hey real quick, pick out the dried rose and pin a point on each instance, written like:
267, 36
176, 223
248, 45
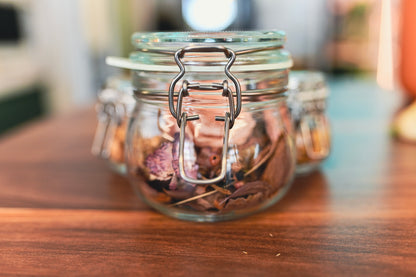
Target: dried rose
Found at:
160, 162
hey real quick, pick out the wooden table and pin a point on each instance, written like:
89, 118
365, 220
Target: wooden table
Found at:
62, 212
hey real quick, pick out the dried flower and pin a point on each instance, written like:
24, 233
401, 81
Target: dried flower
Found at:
160, 162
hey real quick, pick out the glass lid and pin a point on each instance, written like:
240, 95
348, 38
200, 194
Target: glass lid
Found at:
237, 41
255, 51
308, 85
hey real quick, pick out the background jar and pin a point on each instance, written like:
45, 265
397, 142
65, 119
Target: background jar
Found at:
114, 108
204, 169
308, 93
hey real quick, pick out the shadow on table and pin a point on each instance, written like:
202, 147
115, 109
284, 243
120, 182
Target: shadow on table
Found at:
122, 194
308, 192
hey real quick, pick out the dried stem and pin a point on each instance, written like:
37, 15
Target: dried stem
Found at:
193, 198
268, 156
225, 191
164, 134
222, 190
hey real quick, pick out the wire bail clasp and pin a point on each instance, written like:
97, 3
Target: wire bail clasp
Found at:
182, 117
109, 117
315, 138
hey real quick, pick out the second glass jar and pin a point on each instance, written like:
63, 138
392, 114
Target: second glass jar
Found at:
308, 93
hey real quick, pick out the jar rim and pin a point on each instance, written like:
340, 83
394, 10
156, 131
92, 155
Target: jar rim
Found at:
307, 85
237, 40
155, 51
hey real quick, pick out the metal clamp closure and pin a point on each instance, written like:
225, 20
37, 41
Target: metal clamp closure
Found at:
223, 172
182, 118
109, 117
186, 85
316, 146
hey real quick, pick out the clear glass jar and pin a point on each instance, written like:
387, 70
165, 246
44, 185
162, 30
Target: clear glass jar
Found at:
207, 145
114, 108
307, 102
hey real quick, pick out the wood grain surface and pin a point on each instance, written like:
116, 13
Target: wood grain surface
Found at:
62, 212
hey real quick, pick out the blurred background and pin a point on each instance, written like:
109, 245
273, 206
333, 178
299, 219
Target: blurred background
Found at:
52, 52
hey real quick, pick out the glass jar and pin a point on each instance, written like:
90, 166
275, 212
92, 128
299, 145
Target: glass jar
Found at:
307, 102
205, 144
114, 108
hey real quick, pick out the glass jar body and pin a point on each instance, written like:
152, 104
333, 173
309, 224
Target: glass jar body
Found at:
210, 138
116, 157
307, 102
313, 138
260, 159
114, 108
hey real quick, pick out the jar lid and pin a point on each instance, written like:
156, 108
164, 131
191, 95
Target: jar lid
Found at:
307, 85
255, 51
108, 95
238, 41
118, 91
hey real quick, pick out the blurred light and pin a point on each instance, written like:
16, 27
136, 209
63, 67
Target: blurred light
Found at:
385, 51
209, 15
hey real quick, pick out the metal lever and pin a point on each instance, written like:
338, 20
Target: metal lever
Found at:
103, 121
182, 118
109, 116
230, 54
221, 176
226, 92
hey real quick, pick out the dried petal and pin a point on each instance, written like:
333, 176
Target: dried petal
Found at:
179, 194
239, 184
207, 165
242, 129
250, 188
200, 205
173, 183
160, 162
243, 203
250, 194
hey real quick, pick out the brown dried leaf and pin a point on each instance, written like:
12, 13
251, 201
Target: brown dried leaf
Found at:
222, 190
243, 203
250, 188
279, 167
